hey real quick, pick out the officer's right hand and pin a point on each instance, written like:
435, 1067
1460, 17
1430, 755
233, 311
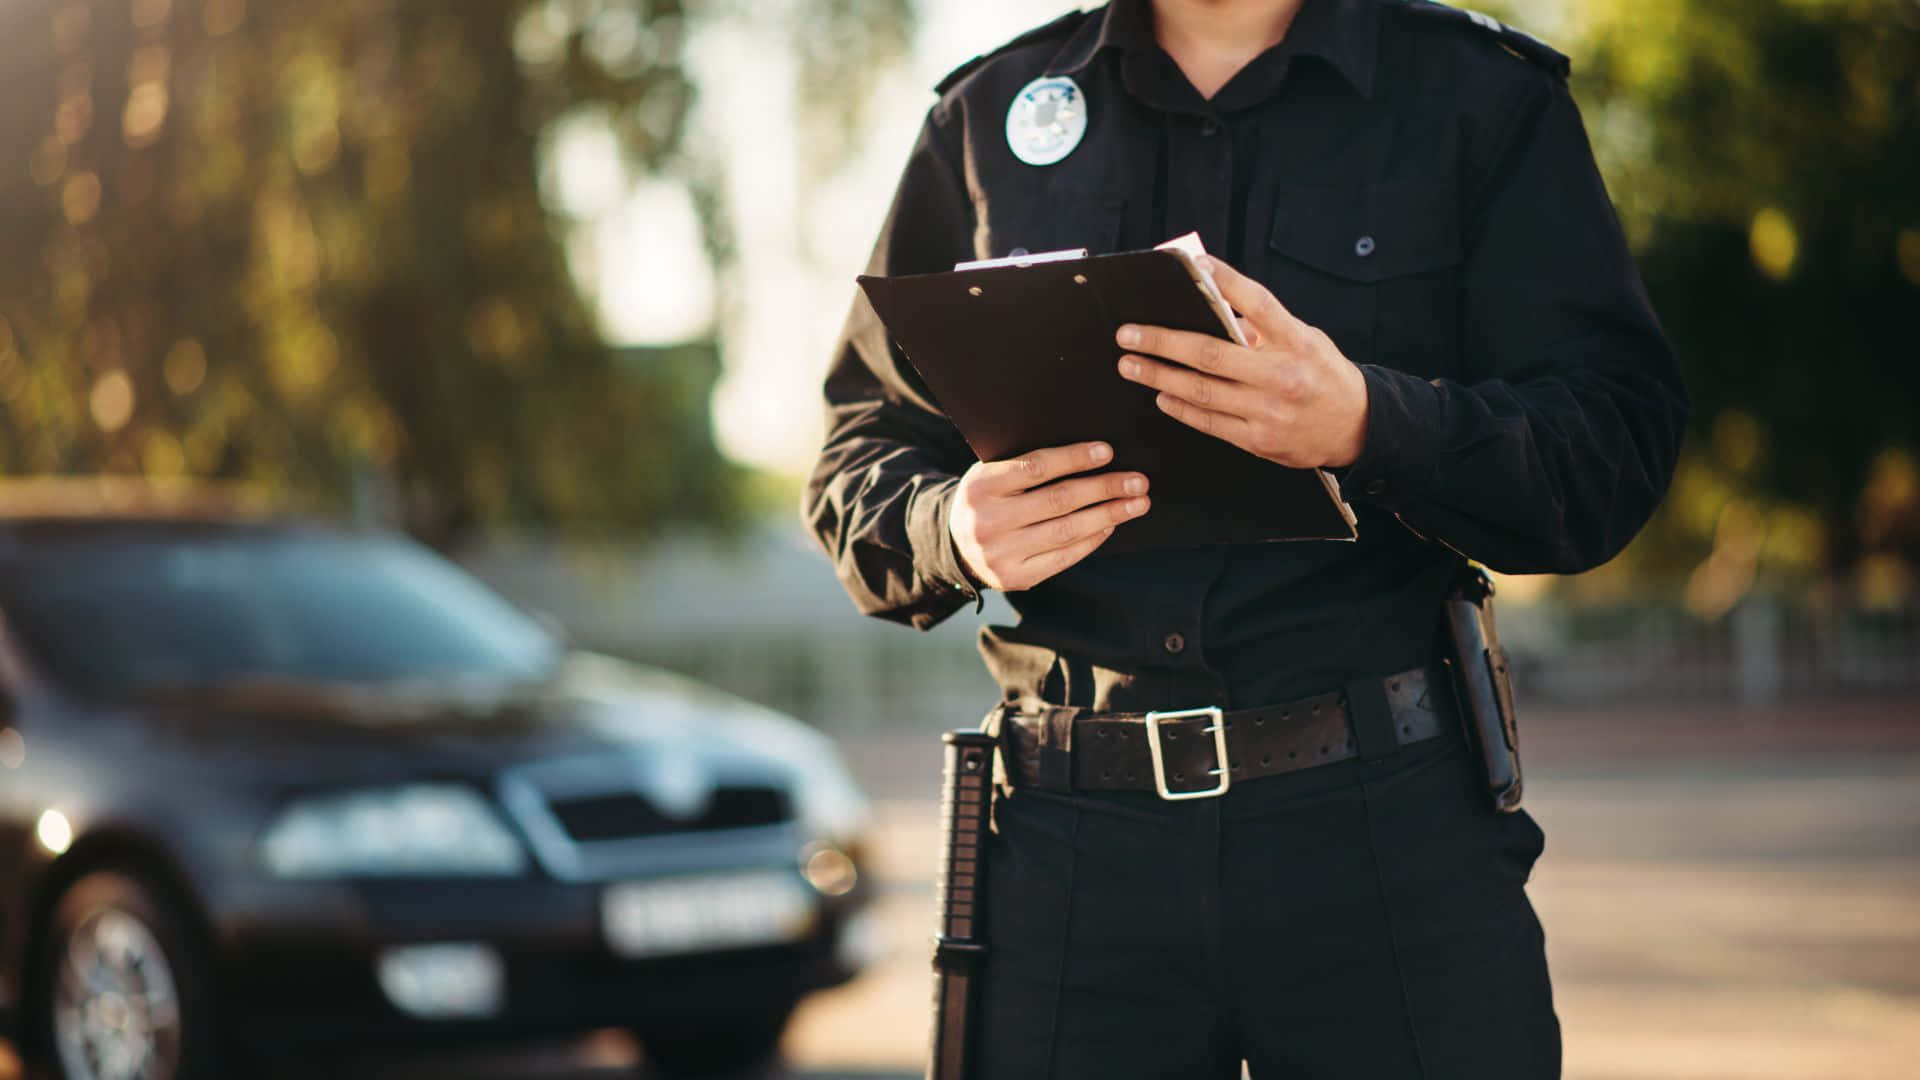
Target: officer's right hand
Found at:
1017, 523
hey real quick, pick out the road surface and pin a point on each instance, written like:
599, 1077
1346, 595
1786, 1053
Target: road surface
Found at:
1727, 896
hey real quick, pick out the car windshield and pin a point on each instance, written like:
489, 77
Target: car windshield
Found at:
125, 614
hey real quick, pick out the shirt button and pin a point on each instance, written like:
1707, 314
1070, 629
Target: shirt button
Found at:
1363, 247
1174, 643
1377, 486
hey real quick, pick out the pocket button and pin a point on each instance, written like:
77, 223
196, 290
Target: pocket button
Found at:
1363, 247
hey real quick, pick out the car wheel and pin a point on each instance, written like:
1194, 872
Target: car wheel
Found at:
744, 1043
121, 994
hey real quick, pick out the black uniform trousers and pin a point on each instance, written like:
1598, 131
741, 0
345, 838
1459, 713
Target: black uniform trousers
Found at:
1362, 920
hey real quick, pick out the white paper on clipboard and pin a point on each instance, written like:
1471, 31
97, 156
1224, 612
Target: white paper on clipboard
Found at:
1190, 250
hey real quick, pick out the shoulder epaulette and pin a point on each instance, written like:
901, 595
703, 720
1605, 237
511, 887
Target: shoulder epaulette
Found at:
1518, 42
1061, 25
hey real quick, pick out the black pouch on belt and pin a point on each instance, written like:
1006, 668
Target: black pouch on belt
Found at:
1485, 683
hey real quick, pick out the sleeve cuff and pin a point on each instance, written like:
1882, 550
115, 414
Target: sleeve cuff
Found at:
934, 553
1399, 453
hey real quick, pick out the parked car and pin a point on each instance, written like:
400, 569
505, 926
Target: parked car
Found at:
270, 786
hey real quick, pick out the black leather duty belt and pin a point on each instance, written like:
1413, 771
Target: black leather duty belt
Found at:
1180, 753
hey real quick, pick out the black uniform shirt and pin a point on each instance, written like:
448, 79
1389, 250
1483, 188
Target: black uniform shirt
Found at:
1414, 182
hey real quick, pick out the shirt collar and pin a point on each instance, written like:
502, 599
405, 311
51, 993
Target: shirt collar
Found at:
1345, 33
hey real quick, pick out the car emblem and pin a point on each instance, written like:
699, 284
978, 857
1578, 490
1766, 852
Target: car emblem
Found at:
1047, 120
677, 783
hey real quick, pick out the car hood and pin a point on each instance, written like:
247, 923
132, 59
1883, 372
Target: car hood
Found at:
593, 704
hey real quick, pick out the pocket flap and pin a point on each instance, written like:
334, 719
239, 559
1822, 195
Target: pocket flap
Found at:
1367, 232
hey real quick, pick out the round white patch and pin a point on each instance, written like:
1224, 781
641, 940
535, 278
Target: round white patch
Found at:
1047, 120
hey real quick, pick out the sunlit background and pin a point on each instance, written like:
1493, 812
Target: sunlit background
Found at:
550, 285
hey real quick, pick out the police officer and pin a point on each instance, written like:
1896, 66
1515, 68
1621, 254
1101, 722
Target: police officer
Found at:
1402, 203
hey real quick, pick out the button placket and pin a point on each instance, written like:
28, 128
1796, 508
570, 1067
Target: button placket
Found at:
1204, 179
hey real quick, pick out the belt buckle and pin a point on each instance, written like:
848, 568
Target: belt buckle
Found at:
1219, 729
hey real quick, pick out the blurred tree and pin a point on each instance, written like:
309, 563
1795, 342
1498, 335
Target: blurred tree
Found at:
303, 244
1765, 156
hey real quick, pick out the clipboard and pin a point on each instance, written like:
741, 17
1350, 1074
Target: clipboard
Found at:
1020, 355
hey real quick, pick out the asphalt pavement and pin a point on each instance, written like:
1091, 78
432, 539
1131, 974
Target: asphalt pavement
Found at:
1728, 894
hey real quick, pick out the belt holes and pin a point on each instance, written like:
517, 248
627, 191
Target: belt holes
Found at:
1266, 759
1284, 714
1106, 774
1349, 745
1323, 749
1291, 755
1316, 710
1129, 774
1179, 776
1406, 729
1259, 720
1394, 685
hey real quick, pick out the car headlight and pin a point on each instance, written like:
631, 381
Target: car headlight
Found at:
418, 830
828, 802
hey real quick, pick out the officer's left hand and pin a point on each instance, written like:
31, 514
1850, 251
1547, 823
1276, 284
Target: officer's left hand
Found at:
1291, 397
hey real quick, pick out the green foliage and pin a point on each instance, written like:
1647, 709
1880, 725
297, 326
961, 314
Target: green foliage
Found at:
301, 244
1765, 158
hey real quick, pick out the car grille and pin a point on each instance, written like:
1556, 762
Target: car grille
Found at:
627, 815
599, 817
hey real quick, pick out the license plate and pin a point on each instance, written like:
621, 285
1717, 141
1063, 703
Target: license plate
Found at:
708, 911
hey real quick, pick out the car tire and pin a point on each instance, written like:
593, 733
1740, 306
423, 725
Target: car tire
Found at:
744, 1044
122, 993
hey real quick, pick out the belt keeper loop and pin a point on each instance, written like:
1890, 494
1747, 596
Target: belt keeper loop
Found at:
1372, 719
1056, 748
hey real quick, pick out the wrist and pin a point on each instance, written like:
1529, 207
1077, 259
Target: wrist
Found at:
1353, 440
1398, 449
936, 554
970, 575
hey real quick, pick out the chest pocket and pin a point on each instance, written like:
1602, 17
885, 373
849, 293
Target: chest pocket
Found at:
1376, 266
1057, 216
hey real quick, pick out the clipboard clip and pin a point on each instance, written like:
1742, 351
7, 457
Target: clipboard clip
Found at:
1021, 257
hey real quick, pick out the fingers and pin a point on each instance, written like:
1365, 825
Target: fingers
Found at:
1220, 425
1048, 563
1025, 556
1206, 391
998, 533
1203, 352
1029, 471
1066, 531
1252, 300
1063, 497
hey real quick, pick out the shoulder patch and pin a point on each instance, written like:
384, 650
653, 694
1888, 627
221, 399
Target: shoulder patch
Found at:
1064, 24
1518, 42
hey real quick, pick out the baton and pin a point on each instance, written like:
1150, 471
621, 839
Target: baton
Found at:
960, 945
